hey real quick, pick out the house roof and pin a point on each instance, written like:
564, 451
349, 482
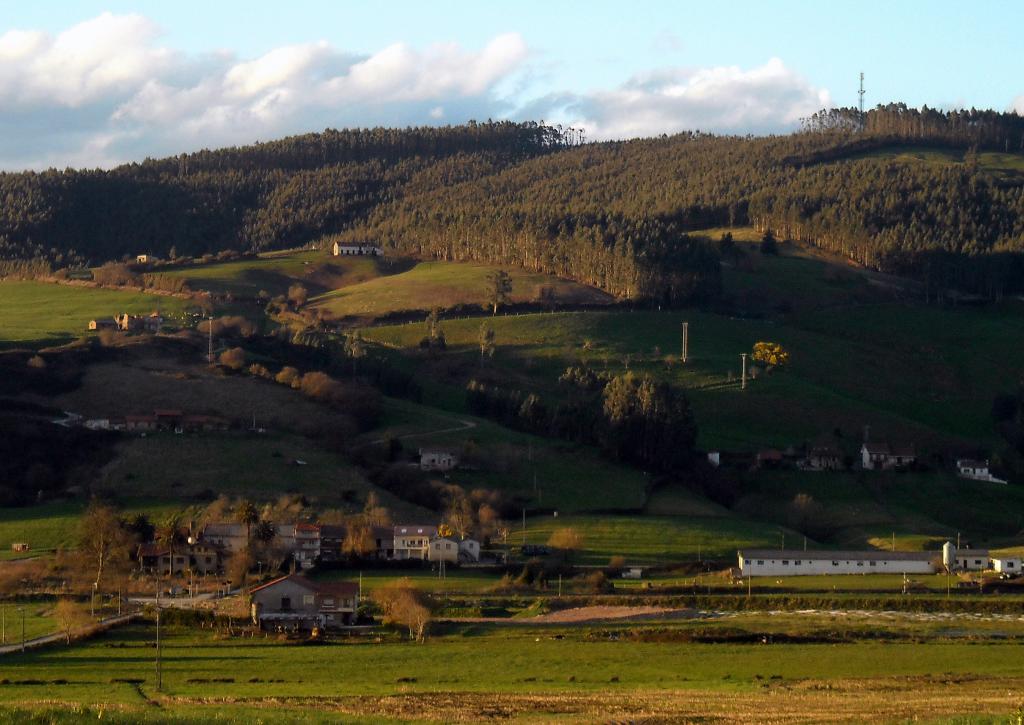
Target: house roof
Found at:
825, 452
878, 555
769, 454
224, 528
336, 589
881, 448
970, 463
167, 413
440, 451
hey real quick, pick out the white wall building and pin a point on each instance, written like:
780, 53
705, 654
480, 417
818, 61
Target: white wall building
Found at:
357, 249
1007, 565
777, 562
975, 470
437, 459
412, 542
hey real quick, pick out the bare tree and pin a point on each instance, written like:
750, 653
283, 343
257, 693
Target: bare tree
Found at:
402, 604
102, 539
70, 616
486, 340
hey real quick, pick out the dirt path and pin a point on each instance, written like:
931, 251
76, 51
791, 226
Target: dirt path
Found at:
463, 425
582, 615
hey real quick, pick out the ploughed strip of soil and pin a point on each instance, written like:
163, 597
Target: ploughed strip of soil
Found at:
581, 615
877, 699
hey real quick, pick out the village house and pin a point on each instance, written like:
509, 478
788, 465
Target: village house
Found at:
303, 541
296, 603
228, 535
437, 459
145, 258
139, 323
412, 542
199, 558
884, 456
140, 423
453, 550
204, 423
975, 470
332, 542
822, 458
102, 324
358, 249
769, 458
384, 541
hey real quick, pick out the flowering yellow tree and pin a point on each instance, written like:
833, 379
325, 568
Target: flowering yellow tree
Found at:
771, 354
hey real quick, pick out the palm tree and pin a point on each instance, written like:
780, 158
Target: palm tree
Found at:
248, 515
169, 533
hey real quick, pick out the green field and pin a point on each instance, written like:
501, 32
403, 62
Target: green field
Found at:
569, 477
275, 272
575, 676
39, 314
48, 526
1004, 166
445, 284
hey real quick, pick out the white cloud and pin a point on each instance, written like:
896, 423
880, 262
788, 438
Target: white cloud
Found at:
105, 91
1018, 104
727, 99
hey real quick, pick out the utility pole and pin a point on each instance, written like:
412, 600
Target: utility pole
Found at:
209, 354
686, 340
159, 669
524, 526
3, 624
743, 383
22, 610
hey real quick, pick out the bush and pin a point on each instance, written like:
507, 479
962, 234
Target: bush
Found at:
233, 358
288, 376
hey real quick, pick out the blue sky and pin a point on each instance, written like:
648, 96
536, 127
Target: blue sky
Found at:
85, 83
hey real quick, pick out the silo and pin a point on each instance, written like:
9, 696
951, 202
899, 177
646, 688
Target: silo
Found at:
949, 556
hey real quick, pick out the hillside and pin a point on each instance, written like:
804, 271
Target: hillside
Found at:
618, 216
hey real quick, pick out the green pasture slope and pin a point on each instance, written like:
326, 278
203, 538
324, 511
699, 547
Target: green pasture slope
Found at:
446, 284
39, 314
1008, 166
275, 272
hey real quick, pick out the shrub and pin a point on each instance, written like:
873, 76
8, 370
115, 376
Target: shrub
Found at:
234, 358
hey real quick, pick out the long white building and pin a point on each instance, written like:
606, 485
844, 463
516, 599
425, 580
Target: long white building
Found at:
777, 562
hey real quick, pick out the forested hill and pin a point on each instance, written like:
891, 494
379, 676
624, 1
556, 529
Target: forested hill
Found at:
613, 214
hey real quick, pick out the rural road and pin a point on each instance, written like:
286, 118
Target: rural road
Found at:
59, 636
463, 425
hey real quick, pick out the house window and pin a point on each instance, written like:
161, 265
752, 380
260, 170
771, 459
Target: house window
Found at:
797, 562
286, 603
760, 562
874, 564
448, 547
977, 562
785, 562
860, 563
835, 563
308, 599
328, 602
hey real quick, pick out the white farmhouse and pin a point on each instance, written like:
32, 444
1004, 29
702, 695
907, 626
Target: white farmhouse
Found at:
975, 470
884, 457
437, 459
356, 249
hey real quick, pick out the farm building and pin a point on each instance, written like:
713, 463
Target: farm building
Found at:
297, 603
139, 323
777, 562
437, 459
975, 470
140, 423
884, 456
357, 249
103, 323
145, 259
955, 559
1007, 565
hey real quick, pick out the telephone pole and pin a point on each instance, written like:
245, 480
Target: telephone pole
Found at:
743, 383
686, 340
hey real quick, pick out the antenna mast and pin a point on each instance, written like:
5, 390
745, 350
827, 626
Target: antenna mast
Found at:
861, 94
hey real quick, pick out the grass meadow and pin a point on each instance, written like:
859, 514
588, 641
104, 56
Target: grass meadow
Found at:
548, 673
447, 284
39, 314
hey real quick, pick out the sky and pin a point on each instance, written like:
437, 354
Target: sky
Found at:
86, 84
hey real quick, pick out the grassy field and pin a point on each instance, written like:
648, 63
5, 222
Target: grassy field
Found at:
48, 526
274, 272
656, 539
445, 284
1005, 166
568, 477
259, 466
40, 314
520, 673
